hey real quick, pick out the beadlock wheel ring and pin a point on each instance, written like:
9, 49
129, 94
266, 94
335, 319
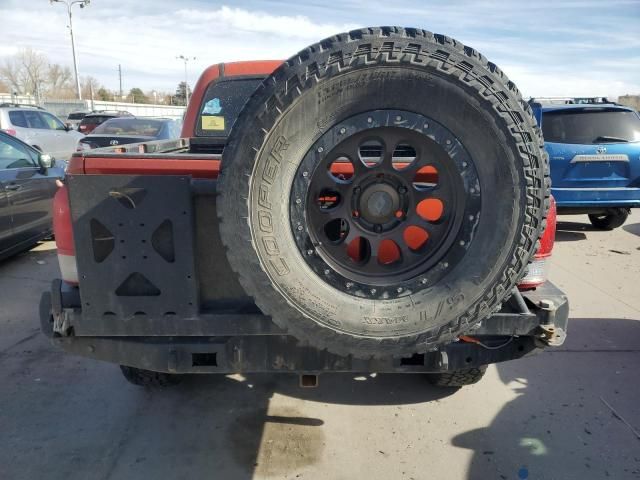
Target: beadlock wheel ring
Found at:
362, 182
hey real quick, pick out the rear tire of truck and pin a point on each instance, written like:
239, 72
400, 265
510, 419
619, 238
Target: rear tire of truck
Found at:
611, 221
333, 157
457, 378
148, 378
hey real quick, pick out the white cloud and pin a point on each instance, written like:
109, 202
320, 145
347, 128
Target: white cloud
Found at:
580, 47
147, 43
538, 83
244, 21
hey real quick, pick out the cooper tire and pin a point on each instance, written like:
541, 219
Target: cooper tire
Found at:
335, 82
609, 222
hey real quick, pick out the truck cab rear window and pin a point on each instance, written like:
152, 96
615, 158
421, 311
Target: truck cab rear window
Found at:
221, 105
591, 126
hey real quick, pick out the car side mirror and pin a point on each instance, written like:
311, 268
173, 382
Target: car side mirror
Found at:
68, 126
45, 160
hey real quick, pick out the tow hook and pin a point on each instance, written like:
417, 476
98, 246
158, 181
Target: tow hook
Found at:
549, 333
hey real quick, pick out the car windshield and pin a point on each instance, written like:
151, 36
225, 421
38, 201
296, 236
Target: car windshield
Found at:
591, 126
130, 126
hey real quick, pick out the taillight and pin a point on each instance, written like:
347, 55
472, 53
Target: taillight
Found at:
537, 270
82, 128
62, 228
10, 131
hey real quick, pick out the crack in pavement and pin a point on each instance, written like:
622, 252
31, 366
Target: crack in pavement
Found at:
35, 333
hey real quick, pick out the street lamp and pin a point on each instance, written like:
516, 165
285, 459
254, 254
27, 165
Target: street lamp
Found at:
186, 83
69, 4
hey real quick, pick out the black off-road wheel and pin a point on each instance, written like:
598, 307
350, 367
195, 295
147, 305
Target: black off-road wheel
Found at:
148, 378
457, 378
610, 221
382, 192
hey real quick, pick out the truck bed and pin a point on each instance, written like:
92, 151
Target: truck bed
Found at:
182, 156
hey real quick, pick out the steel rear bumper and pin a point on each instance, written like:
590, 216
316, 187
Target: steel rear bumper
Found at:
235, 342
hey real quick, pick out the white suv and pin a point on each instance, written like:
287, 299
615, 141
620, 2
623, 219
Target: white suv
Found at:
40, 129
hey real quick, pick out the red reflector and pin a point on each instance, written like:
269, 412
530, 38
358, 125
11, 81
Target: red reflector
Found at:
549, 235
63, 231
10, 131
537, 270
62, 222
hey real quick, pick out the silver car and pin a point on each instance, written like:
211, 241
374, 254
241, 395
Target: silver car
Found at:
40, 129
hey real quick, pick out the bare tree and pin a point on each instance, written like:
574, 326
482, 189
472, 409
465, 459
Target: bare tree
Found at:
89, 86
59, 81
35, 66
26, 72
11, 73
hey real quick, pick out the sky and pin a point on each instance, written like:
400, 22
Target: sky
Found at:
548, 48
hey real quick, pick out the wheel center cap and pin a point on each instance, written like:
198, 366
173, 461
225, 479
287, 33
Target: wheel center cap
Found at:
379, 203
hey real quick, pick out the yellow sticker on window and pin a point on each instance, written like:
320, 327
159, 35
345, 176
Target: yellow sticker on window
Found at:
212, 122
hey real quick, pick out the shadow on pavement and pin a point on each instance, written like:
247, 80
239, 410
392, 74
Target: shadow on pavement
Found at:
572, 231
568, 236
98, 426
558, 426
633, 228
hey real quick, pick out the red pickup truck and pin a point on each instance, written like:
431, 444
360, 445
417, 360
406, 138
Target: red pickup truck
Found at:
377, 203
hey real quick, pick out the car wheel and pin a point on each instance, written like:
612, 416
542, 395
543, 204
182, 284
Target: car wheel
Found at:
382, 192
611, 221
148, 378
457, 378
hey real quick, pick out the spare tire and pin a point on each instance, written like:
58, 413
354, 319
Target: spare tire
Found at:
382, 192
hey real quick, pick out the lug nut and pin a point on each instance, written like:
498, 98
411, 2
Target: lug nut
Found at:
356, 190
378, 228
402, 189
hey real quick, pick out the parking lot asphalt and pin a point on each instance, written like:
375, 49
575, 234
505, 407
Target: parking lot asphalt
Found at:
568, 413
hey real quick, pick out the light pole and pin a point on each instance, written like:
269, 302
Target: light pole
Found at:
69, 4
185, 59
